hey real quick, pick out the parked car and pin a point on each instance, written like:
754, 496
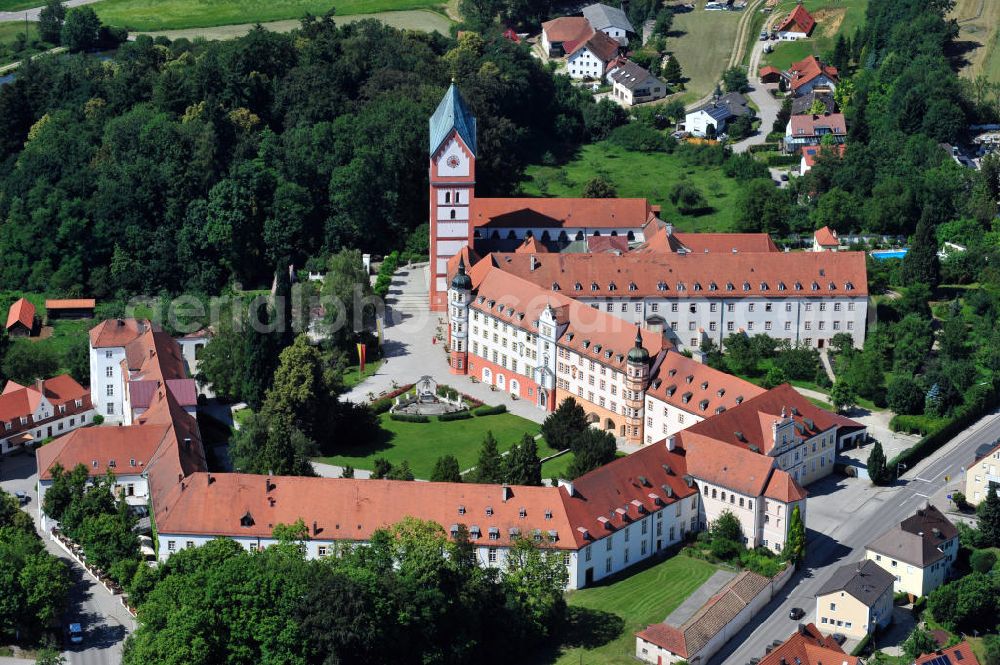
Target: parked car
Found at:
839, 638
22, 497
75, 631
796, 613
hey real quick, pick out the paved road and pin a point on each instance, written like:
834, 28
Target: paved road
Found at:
32, 14
768, 105
844, 515
106, 623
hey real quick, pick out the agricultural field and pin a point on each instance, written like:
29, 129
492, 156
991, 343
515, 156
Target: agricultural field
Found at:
702, 41
978, 34
641, 595
833, 18
642, 175
156, 15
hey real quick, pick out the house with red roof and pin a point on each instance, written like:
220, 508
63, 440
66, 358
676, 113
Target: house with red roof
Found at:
958, 654
809, 75
589, 59
30, 414
825, 239
74, 308
21, 319
810, 154
561, 35
812, 130
798, 24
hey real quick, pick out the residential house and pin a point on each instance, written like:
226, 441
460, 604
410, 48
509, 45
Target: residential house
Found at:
983, 476
856, 600
825, 239
808, 646
810, 130
711, 119
811, 153
561, 35
769, 74
21, 319
107, 352
810, 74
33, 413
809, 102
590, 59
798, 24
957, 654
632, 84
78, 308
715, 623
918, 552
610, 20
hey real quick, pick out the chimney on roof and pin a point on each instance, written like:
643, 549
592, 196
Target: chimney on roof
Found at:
40, 386
671, 442
567, 484
187, 443
210, 478
506, 492
267, 484
180, 477
121, 322
315, 528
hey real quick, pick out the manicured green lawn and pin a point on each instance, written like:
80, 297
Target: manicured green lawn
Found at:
703, 46
178, 14
556, 468
422, 443
637, 598
785, 53
644, 175
352, 377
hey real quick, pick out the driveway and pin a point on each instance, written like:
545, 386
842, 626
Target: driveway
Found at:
760, 95
105, 621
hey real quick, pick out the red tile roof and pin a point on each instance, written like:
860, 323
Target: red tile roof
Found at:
567, 29
117, 332
806, 70
19, 401
616, 494
769, 70
799, 20
960, 654
809, 125
346, 509
22, 312
808, 646
531, 246
586, 330
680, 377
826, 237
598, 244
752, 419
727, 466
561, 213
782, 487
105, 445
603, 47
702, 243
693, 275
78, 303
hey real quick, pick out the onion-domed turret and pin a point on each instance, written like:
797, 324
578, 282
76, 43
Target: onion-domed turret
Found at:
461, 281
638, 354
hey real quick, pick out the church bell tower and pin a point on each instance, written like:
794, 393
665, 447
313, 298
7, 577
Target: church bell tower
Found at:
452, 188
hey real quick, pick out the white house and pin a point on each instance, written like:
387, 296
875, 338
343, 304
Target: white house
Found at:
610, 20
631, 84
33, 413
711, 119
590, 59
107, 353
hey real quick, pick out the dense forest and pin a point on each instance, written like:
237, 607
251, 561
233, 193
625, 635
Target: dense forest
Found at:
189, 165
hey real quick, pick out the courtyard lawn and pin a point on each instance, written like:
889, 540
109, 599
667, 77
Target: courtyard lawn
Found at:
643, 175
180, 14
702, 41
423, 443
352, 377
556, 468
638, 597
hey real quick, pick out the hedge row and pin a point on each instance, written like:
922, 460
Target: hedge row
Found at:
783, 160
383, 404
490, 410
763, 147
385, 272
409, 418
981, 400
457, 415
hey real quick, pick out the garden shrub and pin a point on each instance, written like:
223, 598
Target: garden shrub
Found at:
409, 418
457, 415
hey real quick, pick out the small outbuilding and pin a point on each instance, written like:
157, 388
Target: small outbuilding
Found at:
77, 308
21, 319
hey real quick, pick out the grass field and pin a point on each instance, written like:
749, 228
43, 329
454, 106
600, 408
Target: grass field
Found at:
702, 46
151, 15
637, 598
422, 443
637, 174
978, 35
423, 20
833, 18
9, 32
352, 378
17, 5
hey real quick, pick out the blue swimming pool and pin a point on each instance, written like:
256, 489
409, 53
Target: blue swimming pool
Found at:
888, 253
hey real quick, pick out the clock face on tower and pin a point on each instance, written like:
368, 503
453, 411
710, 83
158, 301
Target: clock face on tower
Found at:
453, 161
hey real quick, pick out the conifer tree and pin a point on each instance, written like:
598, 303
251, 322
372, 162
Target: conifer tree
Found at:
489, 469
876, 465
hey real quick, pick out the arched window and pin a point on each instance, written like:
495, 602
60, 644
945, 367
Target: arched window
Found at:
453, 213
447, 197
458, 197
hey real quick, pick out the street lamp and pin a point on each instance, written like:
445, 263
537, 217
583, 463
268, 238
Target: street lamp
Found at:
899, 464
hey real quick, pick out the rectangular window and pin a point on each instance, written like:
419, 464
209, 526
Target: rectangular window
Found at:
109, 372
189, 544
110, 408
607, 565
171, 545
111, 390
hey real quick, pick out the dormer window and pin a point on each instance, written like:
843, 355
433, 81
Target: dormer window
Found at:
461, 510
612, 286
703, 404
746, 286
632, 286
111, 464
689, 378
697, 286
661, 286
849, 286
704, 385
686, 397
594, 286
93, 463
671, 390
781, 286
713, 287
730, 287
763, 286
555, 286
833, 287
131, 462
489, 511
247, 520
680, 286
548, 514
578, 287
522, 513
815, 286
798, 286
